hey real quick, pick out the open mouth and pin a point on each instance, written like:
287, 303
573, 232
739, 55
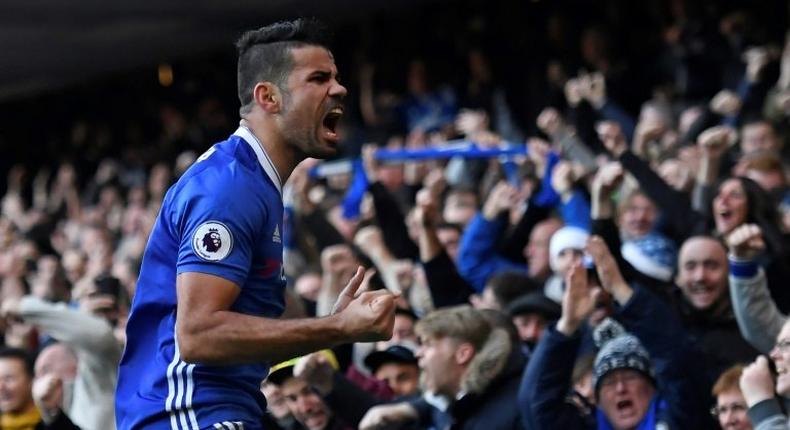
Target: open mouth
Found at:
701, 293
331, 119
700, 289
624, 405
316, 420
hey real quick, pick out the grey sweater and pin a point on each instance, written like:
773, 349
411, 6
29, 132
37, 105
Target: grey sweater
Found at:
760, 322
98, 353
758, 317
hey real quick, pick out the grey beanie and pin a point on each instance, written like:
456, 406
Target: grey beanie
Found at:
618, 349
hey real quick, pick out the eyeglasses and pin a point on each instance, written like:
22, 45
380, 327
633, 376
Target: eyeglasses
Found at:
782, 346
736, 408
625, 377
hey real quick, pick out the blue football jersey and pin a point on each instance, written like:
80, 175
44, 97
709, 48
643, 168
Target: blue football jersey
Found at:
223, 217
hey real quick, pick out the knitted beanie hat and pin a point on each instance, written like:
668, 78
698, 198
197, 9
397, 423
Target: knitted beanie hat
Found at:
618, 349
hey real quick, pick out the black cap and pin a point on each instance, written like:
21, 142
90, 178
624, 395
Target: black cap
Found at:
535, 303
393, 354
107, 284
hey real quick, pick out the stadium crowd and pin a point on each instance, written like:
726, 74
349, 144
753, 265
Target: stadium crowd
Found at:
629, 270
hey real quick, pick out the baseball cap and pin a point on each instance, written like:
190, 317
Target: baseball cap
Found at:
284, 370
393, 354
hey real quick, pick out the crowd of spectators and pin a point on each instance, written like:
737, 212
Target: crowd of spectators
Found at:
628, 271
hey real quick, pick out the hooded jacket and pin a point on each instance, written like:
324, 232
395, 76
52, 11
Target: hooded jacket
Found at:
489, 388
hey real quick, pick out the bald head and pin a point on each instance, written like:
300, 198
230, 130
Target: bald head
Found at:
702, 271
57, 359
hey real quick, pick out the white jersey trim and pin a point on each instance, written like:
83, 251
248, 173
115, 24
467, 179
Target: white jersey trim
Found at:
263, 158
227, 425
179, 397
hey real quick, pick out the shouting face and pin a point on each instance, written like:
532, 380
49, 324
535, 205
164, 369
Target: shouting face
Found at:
624, 396
730, 206
305, 405
312, 103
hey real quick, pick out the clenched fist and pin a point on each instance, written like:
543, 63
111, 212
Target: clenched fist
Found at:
365, 316
746, 242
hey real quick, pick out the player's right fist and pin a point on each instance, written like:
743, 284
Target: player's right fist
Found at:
370, 317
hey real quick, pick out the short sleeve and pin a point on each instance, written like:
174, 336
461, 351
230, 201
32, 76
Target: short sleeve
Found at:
217, 228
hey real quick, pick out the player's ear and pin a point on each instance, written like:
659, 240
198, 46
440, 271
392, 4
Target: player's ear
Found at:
268, 96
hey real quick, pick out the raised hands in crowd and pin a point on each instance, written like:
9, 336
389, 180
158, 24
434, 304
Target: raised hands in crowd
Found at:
578, 302
746, 242
706, 161
586, 86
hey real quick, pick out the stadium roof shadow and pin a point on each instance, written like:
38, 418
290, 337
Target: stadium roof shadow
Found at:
47, 44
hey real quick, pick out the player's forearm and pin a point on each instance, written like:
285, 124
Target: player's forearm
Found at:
227, 338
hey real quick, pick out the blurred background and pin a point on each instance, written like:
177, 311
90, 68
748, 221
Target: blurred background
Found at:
144, 80
661, 107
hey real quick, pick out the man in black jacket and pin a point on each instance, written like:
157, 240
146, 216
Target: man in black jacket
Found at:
470, 376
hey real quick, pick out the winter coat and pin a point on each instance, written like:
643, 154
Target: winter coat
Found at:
490, 386
675, 359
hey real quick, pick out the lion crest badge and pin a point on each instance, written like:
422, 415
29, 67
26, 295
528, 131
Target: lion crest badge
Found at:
212, 241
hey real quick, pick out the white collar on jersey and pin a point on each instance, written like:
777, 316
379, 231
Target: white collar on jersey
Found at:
263, 158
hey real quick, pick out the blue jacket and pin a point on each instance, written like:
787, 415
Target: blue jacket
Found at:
477, 252
681, 390
478, 256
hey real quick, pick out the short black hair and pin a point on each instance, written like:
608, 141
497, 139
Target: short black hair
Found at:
761, 210
265, 53
107, 284
21, 355
407, 313
509, 285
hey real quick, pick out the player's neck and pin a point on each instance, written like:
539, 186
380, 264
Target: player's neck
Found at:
274, 145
